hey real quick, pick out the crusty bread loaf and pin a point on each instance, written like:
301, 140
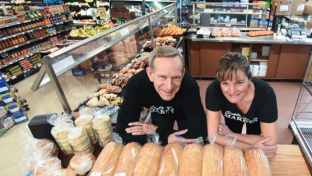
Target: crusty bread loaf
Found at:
191, 162
106, 162
257, 162
148, 161
170, 160
213, 160
234, 162
128, 158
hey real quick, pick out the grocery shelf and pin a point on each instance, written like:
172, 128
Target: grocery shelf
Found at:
32, 30
22, 76
25, 71
34, 40
233, 24
30, 20
10, 63
233, 13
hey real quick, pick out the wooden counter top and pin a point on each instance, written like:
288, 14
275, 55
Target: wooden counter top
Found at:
289, 161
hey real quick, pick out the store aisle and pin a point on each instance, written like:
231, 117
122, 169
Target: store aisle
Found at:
11, 152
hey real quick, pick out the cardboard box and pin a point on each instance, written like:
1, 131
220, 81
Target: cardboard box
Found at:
297, 7
308, 8
283, 7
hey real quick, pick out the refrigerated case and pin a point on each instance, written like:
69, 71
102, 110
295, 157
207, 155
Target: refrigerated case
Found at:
119, 45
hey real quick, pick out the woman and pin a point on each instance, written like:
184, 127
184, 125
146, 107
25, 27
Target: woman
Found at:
242, 100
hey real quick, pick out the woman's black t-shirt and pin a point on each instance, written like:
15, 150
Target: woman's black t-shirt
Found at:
263, 107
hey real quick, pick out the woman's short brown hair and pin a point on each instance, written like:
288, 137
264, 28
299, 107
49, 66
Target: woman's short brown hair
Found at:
229, 65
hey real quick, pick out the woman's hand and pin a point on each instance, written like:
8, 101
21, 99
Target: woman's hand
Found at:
224, 130
269, 150
141, 128
176, 138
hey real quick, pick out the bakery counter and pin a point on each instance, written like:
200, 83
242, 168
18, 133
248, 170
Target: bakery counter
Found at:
289, 161
246, 39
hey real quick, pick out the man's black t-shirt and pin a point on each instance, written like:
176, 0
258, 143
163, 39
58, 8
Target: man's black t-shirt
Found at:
263, 107
185, 108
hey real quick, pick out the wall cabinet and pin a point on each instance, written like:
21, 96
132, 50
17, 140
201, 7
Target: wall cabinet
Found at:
284, 61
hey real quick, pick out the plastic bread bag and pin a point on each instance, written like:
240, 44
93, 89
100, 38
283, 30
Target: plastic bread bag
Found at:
127, 159
82, 162
62, 127
257, 162
102, 128
46, 167
149, 160
170, 160
213, 158
191, 159
154, 138
106, 162
234, 161
235, 32
79, 140
86, 121
143, 115
111, 111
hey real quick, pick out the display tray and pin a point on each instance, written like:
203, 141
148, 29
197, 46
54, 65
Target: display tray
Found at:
76, 38
150, 49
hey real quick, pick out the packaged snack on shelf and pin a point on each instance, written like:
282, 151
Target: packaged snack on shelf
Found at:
6, 122
213, 158
8, 98
170, 160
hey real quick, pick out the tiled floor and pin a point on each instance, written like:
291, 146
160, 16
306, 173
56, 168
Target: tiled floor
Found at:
45, 101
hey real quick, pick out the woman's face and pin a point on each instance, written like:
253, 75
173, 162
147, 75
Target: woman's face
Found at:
236, 89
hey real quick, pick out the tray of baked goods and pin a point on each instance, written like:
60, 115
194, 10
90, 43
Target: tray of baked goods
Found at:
111, 93
259, 33
172, 30
160, 41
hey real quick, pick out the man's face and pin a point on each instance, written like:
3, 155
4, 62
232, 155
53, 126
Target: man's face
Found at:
166, 76
236, 89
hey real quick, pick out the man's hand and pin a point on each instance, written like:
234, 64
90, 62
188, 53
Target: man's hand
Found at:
141, 128
176, 138
224, 130
269, 150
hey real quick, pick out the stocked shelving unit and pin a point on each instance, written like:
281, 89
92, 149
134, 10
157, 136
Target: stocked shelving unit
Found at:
30, 36
251, 15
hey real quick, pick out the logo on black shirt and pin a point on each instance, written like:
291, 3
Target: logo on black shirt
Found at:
162, 110
239, 117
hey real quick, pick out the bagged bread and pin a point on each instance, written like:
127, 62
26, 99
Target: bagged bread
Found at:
170, 160
234, 162
105, 164
257, 162
213, 160
149, 160
86, 121
102, 128
82, 162
128, 158
191, 162
79, 140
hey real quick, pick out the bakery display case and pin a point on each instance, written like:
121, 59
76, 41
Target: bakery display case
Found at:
115, 48
210, 14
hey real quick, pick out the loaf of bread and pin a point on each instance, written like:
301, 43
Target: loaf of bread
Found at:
103, 129
148, 161
105, 164
191, 162
234, 162
79, 140
86, 121
257, 162
213, 160
82, 162
170, 160
128, 158
48, 147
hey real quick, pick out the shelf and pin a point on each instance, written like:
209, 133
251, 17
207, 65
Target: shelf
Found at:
10, 63
232, 24
233, 13
27, 21
259, 60
84, 23
31, 30
141, 1
17, 78
34, 40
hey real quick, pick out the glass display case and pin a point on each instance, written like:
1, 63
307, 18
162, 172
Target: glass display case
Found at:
131, 9
57, 88
251, 15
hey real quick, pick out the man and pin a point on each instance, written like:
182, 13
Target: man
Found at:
170, 94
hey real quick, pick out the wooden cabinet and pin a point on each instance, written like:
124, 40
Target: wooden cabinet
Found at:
273, 60
293, 61
194, 58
